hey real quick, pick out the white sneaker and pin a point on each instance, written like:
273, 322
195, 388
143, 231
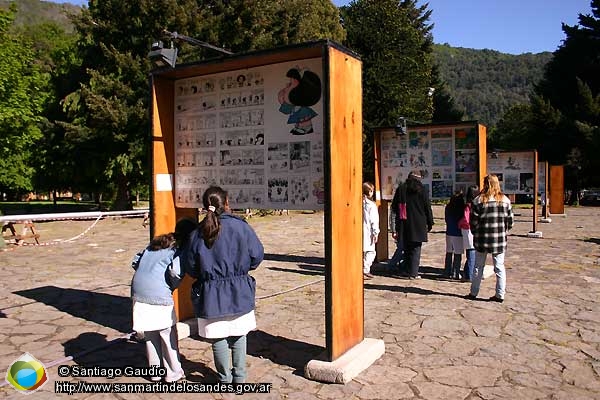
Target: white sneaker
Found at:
177, 377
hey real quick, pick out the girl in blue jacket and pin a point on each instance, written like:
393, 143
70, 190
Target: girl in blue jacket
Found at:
221, 252
157, 274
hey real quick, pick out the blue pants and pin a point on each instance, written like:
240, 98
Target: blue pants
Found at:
221, 347
469, 264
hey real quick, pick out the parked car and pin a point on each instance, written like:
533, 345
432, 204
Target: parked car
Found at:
590, 198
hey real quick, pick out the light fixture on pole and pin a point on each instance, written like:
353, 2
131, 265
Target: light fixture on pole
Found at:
400, 127
162, 57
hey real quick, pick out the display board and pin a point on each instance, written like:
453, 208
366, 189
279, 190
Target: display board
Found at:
256, 132
446, 157
515, 170
277, 128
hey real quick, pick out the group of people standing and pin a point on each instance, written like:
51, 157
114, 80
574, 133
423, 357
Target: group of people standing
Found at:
477, 223
219, 252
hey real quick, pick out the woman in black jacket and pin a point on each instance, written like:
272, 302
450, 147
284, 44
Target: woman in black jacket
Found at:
419, 221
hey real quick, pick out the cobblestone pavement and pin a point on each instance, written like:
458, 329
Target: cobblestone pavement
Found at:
59, 301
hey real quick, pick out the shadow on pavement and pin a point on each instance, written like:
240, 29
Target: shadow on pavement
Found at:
410, 289
104, 309
282, 351
118, 352
295, 258
304, 270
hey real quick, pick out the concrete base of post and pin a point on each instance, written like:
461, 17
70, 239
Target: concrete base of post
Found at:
536, 234
187, 328
348, 365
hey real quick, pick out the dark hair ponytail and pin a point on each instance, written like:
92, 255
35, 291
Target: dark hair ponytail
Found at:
213, 199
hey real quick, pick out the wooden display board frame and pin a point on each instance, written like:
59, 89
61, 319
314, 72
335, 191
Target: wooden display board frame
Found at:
447, 164
342, 174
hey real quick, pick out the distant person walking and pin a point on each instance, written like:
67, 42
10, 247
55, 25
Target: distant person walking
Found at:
221, 252
419, 221
467, 235
370, 228
491, 219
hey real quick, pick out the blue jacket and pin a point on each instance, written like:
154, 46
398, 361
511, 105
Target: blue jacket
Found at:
157, 274
452, 218
223, 287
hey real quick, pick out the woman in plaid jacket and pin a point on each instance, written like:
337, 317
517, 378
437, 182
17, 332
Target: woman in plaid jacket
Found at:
491, 218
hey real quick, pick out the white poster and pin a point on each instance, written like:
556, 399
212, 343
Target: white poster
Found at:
445, 157
258, 133
514, 170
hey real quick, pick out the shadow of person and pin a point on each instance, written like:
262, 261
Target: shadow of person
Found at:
410, 289
196, 371
108, 310
91, 349
282, 351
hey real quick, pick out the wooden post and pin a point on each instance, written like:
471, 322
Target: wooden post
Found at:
342, 162
557, 189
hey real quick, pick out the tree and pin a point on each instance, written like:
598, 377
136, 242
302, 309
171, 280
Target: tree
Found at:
22, 96
109, 110
397, 63
444, 106
569, 95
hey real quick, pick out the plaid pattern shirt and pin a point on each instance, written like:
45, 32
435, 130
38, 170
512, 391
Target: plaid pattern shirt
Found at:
490, 223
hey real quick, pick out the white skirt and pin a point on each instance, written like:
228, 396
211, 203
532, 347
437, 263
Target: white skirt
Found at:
467, 239
151, 317
218, 328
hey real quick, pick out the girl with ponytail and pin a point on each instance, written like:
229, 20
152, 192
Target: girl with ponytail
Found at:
220, 254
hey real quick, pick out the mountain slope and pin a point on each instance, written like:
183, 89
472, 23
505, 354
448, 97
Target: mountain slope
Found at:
486, 82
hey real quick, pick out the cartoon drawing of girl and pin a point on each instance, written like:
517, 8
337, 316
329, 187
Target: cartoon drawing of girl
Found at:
296, 98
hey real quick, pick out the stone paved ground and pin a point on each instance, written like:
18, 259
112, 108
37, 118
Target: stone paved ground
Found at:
543, 342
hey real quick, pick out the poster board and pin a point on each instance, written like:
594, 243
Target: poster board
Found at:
449, 157
446, 156
196, 131
515, 170
238, 130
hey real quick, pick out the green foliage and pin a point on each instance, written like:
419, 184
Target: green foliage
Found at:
486, 83
445, 108
569, 97
397, 63
22, 96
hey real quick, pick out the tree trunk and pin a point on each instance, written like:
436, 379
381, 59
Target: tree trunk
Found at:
123, 200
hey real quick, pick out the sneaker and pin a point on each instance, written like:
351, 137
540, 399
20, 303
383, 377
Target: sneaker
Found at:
414, 277
496, 299
178, 377
367, 276
470, 297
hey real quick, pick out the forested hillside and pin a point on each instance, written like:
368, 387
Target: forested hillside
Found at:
31, 12
485, 83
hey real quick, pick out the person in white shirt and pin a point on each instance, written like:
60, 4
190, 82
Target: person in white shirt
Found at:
370, 228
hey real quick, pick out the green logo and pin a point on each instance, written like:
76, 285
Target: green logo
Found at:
26, 374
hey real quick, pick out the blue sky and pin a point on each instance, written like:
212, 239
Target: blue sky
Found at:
509, 26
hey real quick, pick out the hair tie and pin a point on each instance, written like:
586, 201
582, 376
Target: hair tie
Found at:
212, 208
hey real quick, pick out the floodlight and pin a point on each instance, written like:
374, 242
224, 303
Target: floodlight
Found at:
162, 57
400, 127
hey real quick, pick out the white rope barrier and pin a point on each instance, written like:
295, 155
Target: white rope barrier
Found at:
68, 216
